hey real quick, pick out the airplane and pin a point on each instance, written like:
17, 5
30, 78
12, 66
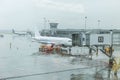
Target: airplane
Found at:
19, 33
65, 42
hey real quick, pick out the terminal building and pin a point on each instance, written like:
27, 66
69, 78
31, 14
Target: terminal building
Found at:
82, 33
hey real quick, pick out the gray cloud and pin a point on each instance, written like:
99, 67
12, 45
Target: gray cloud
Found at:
49, 4
24, 14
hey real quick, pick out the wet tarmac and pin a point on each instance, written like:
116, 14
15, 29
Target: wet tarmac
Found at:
20, 60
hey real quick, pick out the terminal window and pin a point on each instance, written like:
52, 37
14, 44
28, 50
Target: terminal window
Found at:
101, 39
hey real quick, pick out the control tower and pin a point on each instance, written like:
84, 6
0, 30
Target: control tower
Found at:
53, 25
53, 28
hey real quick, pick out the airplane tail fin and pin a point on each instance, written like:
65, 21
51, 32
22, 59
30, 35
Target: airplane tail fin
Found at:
13, 31
37, 34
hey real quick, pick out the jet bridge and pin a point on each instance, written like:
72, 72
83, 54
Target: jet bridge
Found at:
95, 41
99, 39
79, 39
82, 39
102, 42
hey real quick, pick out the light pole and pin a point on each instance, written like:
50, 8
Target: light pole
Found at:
98, 23
84, 35
45, 22
45, 25
98, 26
111, 59
85, 22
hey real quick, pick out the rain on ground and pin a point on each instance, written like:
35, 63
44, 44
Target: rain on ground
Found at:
20, 59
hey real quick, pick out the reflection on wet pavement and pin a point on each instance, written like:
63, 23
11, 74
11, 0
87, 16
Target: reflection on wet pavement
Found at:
20, 60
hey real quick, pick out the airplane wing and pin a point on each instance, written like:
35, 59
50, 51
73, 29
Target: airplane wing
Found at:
51, 42
47, 42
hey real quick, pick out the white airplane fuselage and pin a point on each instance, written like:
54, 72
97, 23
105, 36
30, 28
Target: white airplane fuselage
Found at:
54, 40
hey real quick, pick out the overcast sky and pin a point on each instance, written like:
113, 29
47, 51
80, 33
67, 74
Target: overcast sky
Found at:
27, 14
